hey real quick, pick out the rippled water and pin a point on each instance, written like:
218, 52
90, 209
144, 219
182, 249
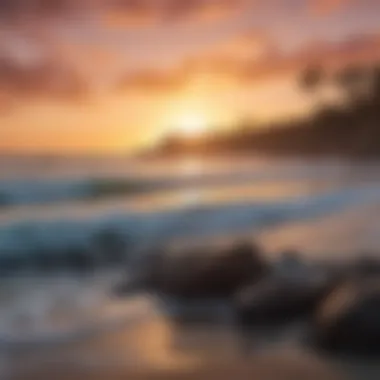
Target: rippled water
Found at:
322, 208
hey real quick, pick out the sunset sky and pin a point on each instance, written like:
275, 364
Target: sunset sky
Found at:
113, 75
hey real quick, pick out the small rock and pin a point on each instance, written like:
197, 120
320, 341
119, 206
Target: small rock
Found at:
275, 301
291, 267
348, 320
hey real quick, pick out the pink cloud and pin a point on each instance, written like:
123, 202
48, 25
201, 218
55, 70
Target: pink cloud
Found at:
135, 13
238, 71
326, 7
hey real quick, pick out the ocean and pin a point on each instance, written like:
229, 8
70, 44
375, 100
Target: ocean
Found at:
52, 206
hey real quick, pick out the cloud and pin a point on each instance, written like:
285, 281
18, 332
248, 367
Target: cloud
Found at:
137, 13
121, 12
331, 56
152, 81
229, 56
19, 10
113, 18
252, 45
234, 57
243, 71
34, 65
37, 59
224, 59
204, 10
43, 80
327, 7
34, 68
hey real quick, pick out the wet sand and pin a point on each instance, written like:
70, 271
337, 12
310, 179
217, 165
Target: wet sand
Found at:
158, 349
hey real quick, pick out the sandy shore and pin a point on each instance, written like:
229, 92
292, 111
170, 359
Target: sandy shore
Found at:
157, 349
155, 355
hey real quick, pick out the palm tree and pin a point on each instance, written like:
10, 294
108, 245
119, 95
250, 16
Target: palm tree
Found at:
310, 81
355, 82
375, 85
311, 78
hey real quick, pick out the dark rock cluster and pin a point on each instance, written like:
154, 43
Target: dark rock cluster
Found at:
340, 304
205, 273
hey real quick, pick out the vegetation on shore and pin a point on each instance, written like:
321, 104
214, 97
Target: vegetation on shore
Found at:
349, 128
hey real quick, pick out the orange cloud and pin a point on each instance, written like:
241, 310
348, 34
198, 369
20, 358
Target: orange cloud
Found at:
252, 45
326, 7
240, 71
131, 13
41, 65
50, 67
115, 19
136, 13
331, 56
152, 81
46, 79
227, 58
121, 13
211, 10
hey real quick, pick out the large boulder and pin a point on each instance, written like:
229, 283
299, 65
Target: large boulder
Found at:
291, 267
348, 320
365, 266
202, 273
291, 291
276, 302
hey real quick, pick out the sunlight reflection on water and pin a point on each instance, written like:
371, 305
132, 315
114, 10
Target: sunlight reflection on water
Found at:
191, 166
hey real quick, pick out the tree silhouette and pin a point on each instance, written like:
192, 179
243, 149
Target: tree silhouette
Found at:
355, 82
310, 81
311, 78
375, 86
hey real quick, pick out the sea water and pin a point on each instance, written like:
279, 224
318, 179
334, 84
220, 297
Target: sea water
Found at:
323, 208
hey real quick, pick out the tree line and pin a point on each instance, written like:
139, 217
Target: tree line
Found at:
349, 127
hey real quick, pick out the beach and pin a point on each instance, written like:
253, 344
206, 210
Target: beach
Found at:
66, 323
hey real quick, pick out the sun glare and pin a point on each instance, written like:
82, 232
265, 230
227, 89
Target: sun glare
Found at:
192, 125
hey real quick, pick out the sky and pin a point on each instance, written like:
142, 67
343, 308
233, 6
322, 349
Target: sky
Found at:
117, 75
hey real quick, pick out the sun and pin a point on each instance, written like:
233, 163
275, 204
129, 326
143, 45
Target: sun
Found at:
192, 125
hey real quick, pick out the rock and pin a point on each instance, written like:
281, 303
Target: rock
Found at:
291, 291
203, 273
221, 274
276, 301
291, 267
364, 267
348, 320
